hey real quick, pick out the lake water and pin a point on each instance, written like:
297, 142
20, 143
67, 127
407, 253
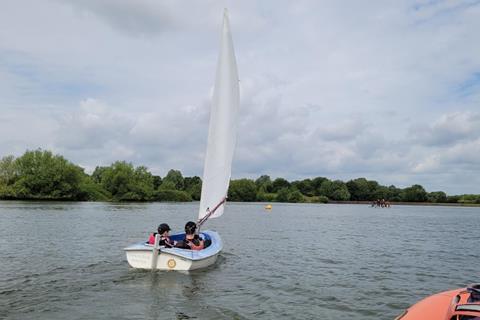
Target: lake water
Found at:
66, 261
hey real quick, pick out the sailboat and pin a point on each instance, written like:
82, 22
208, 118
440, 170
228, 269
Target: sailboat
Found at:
216, 175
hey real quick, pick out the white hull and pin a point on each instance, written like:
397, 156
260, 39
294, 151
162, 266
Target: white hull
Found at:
166, 261
141, 256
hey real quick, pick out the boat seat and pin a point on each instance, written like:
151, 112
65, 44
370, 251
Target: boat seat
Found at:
206, 239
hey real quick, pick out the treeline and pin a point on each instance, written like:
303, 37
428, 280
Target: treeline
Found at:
41, 175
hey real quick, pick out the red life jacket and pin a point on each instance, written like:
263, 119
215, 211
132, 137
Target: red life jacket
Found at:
199, 247
196, 243
151, 239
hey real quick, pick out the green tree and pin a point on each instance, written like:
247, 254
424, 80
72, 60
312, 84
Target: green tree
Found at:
8, 172
92, 191
264, 189
174, 177
335, 190
320, 199
282, 195
265, 196
172, 196
394, 193
193, 185
142, 188
195, 191
279, 183
264, 183
42, 175
415, 193
126, 183
167, 185
437, 197
157, 182
295, 196
453, 199
8, 176
242, 190
382, 192
317, 183
289, 195
97, 174
469, 198
361, 189
305, 186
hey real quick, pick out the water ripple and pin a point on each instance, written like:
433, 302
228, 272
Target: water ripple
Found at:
297, 262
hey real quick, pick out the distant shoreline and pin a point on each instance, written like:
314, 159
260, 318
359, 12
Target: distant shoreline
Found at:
368, 203
40, 175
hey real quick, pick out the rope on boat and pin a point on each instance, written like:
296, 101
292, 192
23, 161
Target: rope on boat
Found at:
210, 212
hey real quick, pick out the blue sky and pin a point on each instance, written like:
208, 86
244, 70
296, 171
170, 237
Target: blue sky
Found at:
387, 90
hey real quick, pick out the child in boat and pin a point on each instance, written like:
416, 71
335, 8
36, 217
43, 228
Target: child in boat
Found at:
192, 241
163, 231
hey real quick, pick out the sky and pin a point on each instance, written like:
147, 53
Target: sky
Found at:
386, 90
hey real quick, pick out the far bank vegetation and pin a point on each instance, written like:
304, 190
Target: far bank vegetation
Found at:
41, 175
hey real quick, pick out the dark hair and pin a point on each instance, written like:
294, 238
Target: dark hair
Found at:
190, 227
163, 227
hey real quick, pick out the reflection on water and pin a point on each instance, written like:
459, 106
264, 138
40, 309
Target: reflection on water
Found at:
66, 261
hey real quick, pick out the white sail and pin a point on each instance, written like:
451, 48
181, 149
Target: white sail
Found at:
222, 128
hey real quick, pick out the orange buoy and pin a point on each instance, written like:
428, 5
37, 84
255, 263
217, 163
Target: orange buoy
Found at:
455, 304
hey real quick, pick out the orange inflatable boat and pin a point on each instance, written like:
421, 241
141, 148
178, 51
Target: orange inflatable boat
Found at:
459, 304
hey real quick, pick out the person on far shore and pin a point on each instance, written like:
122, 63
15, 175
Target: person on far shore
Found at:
163, 231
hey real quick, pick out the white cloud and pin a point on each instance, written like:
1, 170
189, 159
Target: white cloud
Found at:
137, 18
389, 91
342, 131
466, 155
449, 129
430, 164
92, 126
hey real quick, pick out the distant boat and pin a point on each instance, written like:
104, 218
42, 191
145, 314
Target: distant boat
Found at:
216, 175
268, 207
458, 304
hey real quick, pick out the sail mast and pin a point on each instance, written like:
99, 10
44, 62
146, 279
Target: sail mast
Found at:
222, 129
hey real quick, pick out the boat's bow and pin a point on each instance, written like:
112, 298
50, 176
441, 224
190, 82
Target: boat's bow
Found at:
458, 304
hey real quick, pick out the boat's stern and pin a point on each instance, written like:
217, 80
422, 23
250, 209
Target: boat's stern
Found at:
139, 255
